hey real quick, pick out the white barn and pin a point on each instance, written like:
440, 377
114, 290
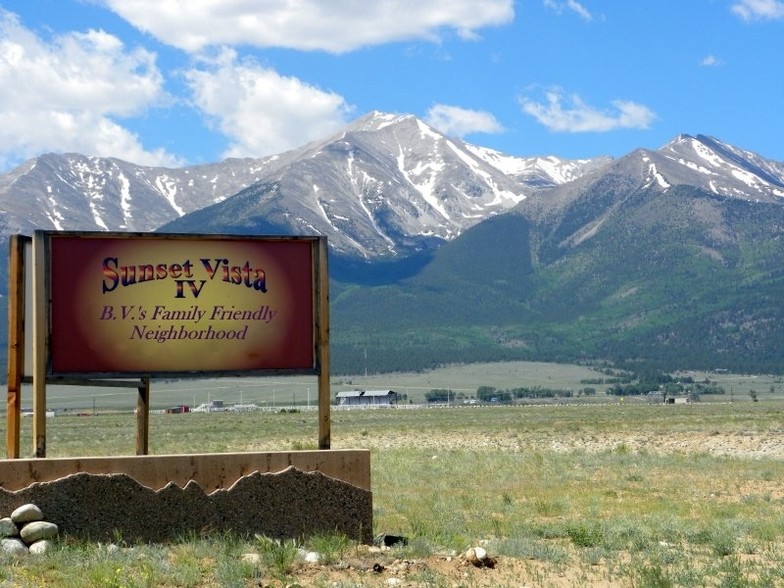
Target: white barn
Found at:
367, 398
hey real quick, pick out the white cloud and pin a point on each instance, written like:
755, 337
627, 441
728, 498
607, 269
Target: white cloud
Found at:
759, 9
571, 115
61, 95
64, 131
336, 26
260, 111
572, 5
711, 61
456, 121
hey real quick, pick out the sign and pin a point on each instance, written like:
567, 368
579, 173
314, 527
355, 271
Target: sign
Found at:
157, 304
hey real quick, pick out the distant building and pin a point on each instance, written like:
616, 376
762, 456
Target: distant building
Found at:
367, 398
661, 397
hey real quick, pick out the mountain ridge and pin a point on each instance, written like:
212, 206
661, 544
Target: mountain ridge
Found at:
442, 251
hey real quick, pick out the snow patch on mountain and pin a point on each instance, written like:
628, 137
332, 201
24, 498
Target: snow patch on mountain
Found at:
423, 177
706, 154
502, 197
382, 120
427, 132
538, 172
168, 188
655, 177
125, 199
723, 169
54, 214
697, 167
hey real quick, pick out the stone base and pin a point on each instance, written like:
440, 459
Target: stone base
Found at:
156, 498
287, 504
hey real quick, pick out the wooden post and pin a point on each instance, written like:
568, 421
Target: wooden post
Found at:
143, 417
16, 344
322, 343
40, 343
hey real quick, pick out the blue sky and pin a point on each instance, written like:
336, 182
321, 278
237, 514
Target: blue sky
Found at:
180, 82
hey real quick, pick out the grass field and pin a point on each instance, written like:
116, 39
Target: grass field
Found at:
613, 494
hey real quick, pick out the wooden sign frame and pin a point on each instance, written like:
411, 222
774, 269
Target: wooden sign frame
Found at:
30, 269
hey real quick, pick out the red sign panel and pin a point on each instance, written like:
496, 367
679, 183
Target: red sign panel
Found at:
168, 304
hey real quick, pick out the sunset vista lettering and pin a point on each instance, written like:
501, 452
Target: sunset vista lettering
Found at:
189, 278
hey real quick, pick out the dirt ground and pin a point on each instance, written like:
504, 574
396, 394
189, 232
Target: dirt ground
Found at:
370, 568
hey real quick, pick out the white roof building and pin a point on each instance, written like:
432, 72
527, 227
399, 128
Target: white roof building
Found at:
367, 398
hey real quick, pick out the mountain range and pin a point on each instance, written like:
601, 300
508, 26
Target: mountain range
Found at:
444, 252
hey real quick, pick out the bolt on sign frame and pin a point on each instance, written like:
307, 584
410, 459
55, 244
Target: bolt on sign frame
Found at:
98, 308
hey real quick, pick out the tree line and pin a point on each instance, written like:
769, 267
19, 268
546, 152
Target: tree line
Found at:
638, 385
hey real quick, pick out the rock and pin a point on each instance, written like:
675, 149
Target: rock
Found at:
310, 557
26, 514
40, 547
13, 547
8, 528
477, 556
38, 530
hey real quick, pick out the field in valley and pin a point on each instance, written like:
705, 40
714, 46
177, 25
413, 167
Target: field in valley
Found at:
570, 494
301, 391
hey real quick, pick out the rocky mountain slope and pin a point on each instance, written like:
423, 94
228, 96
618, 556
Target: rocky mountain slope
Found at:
75, 192
388, 186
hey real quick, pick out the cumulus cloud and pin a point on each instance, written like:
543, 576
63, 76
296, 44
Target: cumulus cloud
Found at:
62, 94
571, 5
260, 111
458, 122
337, 26
570, 114
759, 9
